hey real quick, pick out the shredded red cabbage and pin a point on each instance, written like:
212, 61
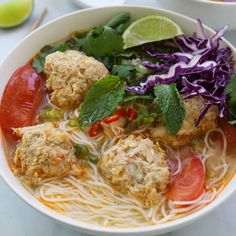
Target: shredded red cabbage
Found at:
200, 68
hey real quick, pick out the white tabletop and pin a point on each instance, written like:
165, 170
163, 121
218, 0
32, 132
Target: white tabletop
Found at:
18, 219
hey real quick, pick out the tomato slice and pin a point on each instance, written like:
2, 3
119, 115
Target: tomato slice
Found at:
230, 133
21, 99
189, 184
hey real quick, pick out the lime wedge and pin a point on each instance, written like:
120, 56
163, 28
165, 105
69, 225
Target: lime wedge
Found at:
14, 12
148, 29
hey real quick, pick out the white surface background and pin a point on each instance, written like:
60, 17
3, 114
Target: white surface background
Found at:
18, 219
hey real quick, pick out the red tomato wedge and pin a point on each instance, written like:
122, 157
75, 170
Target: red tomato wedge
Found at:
189, 184
21, 99
230, 133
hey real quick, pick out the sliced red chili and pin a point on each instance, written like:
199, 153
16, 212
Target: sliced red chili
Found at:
94, 129
122, 112
111, 119
132, 114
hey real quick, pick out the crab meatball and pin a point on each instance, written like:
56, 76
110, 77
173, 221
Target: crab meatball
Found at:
138, 167
189, 131
69, 75
43, 152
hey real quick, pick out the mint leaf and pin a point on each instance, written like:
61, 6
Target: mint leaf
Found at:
102, 41
101, 100
171, 106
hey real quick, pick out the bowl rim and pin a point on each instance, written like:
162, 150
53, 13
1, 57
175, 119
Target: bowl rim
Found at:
216, 3
92, 228
83, 3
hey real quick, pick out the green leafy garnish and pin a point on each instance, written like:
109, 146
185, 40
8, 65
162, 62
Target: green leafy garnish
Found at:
130, 70
101, 100
232, 122
144, 117
105, 40
73, 122
50, 114
232, 106
171, 106
119, 19
82, 152
39, 60
122, 27
136, 97
123, 71
231, 87
230, 90
102, 41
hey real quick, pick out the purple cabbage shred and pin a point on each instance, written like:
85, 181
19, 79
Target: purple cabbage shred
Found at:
201, 67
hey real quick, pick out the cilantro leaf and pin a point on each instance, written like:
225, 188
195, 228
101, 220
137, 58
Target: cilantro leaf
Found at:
123, 71
119, 19
121, 28
171, 106
101, 100
131, 71
106, 40
102, 41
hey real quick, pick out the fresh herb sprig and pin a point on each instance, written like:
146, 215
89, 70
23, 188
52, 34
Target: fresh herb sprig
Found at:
171, 106
101, 100
106, 40
82, 152
101, 42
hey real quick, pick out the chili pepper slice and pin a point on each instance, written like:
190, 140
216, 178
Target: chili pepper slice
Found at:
132, 114
94, 129
122, 112
111, 119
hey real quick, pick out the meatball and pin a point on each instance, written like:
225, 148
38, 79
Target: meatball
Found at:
189, 131
138, 167
43, 152
69, 75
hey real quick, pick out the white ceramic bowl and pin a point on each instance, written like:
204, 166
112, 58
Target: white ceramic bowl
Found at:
54, 31
98, 3
214, 14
